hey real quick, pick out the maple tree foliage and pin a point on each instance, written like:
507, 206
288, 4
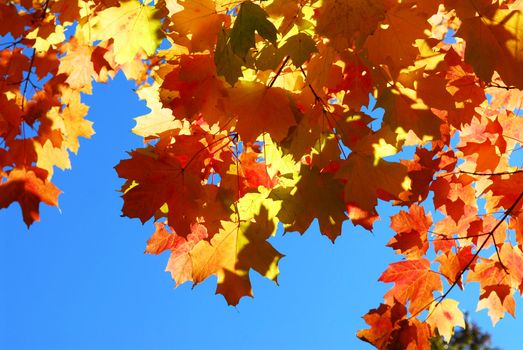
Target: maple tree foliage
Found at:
256, 121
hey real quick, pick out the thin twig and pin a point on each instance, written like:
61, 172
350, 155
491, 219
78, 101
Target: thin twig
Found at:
490, 174
457, 238
496, 85
273, 80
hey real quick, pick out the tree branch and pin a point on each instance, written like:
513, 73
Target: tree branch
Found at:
496, 85
490, 174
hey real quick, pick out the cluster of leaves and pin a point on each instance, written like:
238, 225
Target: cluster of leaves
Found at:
256, 120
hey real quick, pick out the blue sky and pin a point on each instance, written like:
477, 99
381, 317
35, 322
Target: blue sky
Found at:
79, 278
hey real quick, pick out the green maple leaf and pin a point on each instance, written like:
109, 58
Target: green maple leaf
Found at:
251, 18
299, 47
228, 65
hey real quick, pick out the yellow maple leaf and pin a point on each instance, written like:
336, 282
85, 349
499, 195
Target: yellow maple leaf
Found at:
50, 156
78, 66
445, 317
239, 247
134, 28
198, 20
74, 123
160, 119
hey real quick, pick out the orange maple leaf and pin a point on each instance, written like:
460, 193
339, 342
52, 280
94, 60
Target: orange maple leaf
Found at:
28, 187
414, 281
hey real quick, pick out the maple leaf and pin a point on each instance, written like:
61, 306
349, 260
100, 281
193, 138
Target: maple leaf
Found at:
75, 125
195, 89
68, 11
324, 191
50, 156
414, 281
382, 320
199, 21
228, 64
411, 335
78, 66
236, 249
394, 42
159, 120
384, 180
134, 27
260, 109
391, 330
492, 44
251, 18
444, 317
28, 187
498, 299
412, 229
12, 21
299, 47
180, 262
362, 19
160, 177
